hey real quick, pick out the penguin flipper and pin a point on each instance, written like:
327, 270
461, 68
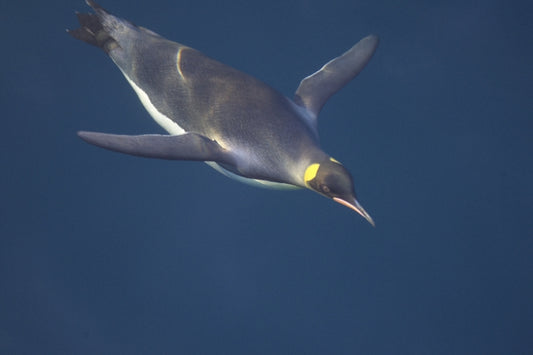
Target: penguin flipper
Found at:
317, 88
188, 146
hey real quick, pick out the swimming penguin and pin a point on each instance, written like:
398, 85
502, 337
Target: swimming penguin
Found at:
214, 113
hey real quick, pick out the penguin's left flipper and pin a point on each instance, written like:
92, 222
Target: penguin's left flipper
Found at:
317, 88
188, 146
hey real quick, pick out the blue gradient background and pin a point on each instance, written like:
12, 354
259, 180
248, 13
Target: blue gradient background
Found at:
102, 253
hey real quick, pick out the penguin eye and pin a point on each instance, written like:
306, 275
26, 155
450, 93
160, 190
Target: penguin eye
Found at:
325, 189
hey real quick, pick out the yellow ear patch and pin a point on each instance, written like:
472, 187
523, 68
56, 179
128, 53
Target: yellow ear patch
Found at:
310, 172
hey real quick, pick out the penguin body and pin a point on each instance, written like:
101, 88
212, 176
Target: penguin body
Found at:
217, 114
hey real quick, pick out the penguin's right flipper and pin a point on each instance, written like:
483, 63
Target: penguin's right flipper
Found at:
188, 146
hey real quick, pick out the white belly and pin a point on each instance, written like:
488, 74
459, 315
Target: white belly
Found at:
173, 128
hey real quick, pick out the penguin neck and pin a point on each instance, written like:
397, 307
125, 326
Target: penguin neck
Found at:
317, 156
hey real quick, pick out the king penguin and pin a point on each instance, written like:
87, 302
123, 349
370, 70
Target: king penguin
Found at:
219, 115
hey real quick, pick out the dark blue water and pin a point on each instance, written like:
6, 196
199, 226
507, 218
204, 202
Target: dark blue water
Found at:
102, 253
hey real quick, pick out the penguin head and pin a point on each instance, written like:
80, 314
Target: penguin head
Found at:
329, 178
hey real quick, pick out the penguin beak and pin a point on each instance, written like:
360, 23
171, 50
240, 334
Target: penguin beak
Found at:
356, 206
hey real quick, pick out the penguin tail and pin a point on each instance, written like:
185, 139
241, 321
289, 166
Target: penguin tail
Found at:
94, 28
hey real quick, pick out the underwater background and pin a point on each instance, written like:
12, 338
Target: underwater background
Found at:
103, 253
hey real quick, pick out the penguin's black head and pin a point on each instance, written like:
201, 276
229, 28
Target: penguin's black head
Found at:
331, 179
